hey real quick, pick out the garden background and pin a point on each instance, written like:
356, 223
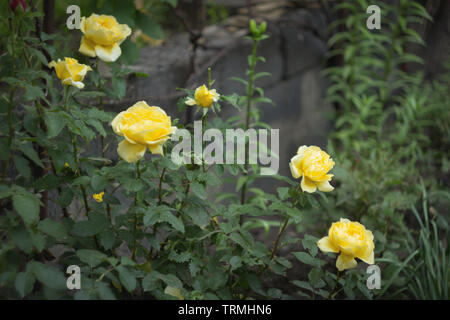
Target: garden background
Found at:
377, 101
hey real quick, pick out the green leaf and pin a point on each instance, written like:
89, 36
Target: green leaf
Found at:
24, 283
65, 197
55, 123
169, 279
126, 278
199, 190
308, 259
314, 278
179, 257
235, 262
53, 228
27, 205
49, 275
172, 220
33, 93
236, 237
149, 26
92, 257
22, 166
22, 239
104, 291
174, 292
47, 182
310, 244
99, 183
120, 87
38, 239
125, 261
283, 193
198, 215
96, 223
107, 239
29, 151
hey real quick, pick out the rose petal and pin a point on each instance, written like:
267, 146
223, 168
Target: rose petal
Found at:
325, 245
131, 152
345, 262
108, 53
307, 185
324, 186
87, 47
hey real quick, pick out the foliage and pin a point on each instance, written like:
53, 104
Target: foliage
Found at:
391, 135
147, 229
156, 229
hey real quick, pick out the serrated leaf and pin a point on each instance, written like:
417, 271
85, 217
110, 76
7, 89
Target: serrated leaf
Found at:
172, 220
24, 283
92, 257
308, 259
27, 205
55, 123
126, 278
53, 228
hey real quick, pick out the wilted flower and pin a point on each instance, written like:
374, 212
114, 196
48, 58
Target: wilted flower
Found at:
203, 97
70, 71
98, 196
143, 127
102, 37
352, 239
313, 165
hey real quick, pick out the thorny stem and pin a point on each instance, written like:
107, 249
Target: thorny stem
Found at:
204, 117
281, 231
332, 293
11, 98
160, 186
11, 132
102, 139
138, 177
75, 151
250, 91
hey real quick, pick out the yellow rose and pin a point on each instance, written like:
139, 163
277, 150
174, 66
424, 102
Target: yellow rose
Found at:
142, 126
70, 71
313, 165
102, 37
350, 238
203, 97
98, 196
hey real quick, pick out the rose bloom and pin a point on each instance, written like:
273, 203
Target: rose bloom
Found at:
102, 37
70, 71
142, 127
350, 238
203, 97
312, 164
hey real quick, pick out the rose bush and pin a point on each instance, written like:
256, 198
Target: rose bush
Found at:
139, 225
